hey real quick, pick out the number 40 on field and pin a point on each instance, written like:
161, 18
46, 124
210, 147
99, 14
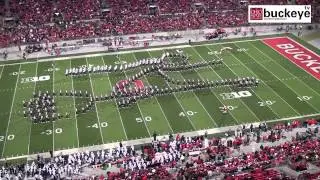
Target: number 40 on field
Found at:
187, 113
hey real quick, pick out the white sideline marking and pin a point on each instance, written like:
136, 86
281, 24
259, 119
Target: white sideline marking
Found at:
303, 46
131, 51
148, 140
12, 103
1, 72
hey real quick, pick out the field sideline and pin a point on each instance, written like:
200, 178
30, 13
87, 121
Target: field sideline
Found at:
285, 91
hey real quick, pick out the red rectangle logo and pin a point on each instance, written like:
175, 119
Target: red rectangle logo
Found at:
256, 13
296, 53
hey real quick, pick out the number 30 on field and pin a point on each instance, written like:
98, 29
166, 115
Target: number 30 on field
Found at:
50, 131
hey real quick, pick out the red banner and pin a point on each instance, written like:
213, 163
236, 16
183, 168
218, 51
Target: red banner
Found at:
297, 54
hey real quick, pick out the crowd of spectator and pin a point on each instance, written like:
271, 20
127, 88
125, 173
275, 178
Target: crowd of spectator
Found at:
42, 20
191, 157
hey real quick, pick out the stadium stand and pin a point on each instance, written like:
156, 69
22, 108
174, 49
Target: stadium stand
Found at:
249, 153
39, 21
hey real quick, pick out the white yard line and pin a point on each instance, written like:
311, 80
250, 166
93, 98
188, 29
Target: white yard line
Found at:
95, 105
34, 89
143, 118
278, 78
1, 72
124, 130
53, 130
205, 109
12, 103
284, 68
74, 106
174, 94
149, 140
157, 102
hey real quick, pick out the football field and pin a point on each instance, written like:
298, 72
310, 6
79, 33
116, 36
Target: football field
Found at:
285, 91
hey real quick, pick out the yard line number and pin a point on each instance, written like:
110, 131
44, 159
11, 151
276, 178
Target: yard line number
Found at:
53, 69
10, 137
187, 113
141, 119
35, 79
230, 108
266, 103
50, 131
97, 125
304, 98
16, 73
120, 62
220, 52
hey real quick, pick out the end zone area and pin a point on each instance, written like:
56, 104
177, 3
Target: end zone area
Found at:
286, 91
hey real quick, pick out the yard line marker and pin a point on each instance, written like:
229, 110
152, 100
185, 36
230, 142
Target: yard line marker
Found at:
53, 130
174, 94
34, 89
149, 140
278, 78
293, 76
74, 106
221, 78
138, 106
157, 100
95, 104
124, 130
12, 103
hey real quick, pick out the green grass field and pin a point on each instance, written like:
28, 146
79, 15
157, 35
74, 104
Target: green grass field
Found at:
285, 91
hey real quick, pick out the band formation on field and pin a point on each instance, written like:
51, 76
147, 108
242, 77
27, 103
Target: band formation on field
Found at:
42, 107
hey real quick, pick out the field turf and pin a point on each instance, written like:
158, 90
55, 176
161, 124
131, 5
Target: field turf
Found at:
285, 91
